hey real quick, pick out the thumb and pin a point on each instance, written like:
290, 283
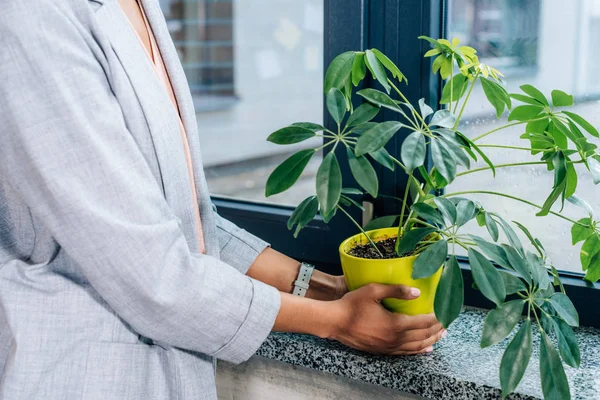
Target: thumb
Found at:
380, 291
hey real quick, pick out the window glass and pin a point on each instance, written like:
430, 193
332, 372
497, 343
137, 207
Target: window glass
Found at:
253, 67
550, 44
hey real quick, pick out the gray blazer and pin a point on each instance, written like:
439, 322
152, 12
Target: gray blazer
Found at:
103, 293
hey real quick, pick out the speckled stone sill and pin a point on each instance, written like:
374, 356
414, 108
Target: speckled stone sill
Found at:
457, 368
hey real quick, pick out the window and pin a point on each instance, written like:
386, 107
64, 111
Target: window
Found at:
253, 67
550, 45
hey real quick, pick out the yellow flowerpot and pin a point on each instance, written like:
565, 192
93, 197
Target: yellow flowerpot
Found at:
361, 271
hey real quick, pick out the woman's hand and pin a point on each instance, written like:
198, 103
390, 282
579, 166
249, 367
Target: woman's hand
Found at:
364, 324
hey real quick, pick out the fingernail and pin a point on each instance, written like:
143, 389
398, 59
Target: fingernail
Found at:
444, 334
429, 349
415, 292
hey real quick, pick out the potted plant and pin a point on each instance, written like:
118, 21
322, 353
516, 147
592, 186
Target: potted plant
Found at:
421, 250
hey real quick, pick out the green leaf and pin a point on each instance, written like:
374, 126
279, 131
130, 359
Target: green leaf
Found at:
571, 181
359, 69
561, 99
351, 202
512, 284
339, 71
560, 167
492, 227
516, 358
533, 240
449, 296
593, 272
594, 167
290, 134
525, 113
465, 211
428, 213
389, 65
383, 157
443, 161
329, 183
364, 113
478, 150
447, 209
458, 84
590, 248
288, 172
408, 242
376, 137
336, 105
496, 95
555, 385
413, 150
379, 99
580, 233
377, 70
426, 111
430, 260
518, 263
487, 277
303, 214
443, 118
512, 237
381, 222
363, 172
579, 120
493, 251
309, 125
539, 272
455, 151
567, 343
554, 195
500, 322
525, 99
535, 93
579, 202
565, 308
352, 191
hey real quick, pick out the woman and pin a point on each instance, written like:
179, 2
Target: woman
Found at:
117, 277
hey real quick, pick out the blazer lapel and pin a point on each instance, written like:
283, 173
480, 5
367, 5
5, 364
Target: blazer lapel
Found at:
186, 109
158, 110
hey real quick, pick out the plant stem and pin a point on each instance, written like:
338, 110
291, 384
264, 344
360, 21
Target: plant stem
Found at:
497, 146
462, 110
510, 165
403, 97
404, 200
496, 130
510, 197
414, 220
361, 229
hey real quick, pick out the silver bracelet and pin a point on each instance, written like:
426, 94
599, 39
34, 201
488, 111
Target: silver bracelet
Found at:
301, 283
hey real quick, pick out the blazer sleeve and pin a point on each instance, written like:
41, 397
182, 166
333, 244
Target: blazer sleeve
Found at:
238, 247
66, 150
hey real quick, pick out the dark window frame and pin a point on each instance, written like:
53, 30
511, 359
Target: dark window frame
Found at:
391, 26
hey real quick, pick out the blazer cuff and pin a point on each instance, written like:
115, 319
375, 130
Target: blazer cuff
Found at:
238, 247
266, 301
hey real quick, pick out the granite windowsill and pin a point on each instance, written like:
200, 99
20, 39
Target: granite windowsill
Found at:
457, 369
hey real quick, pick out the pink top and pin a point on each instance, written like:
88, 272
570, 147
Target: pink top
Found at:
161, 71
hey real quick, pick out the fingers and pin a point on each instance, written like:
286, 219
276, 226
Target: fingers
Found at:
422, 346
418, 335
410, 322
380, 291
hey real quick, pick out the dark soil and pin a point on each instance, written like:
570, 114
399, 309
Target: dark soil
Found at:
386, 246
